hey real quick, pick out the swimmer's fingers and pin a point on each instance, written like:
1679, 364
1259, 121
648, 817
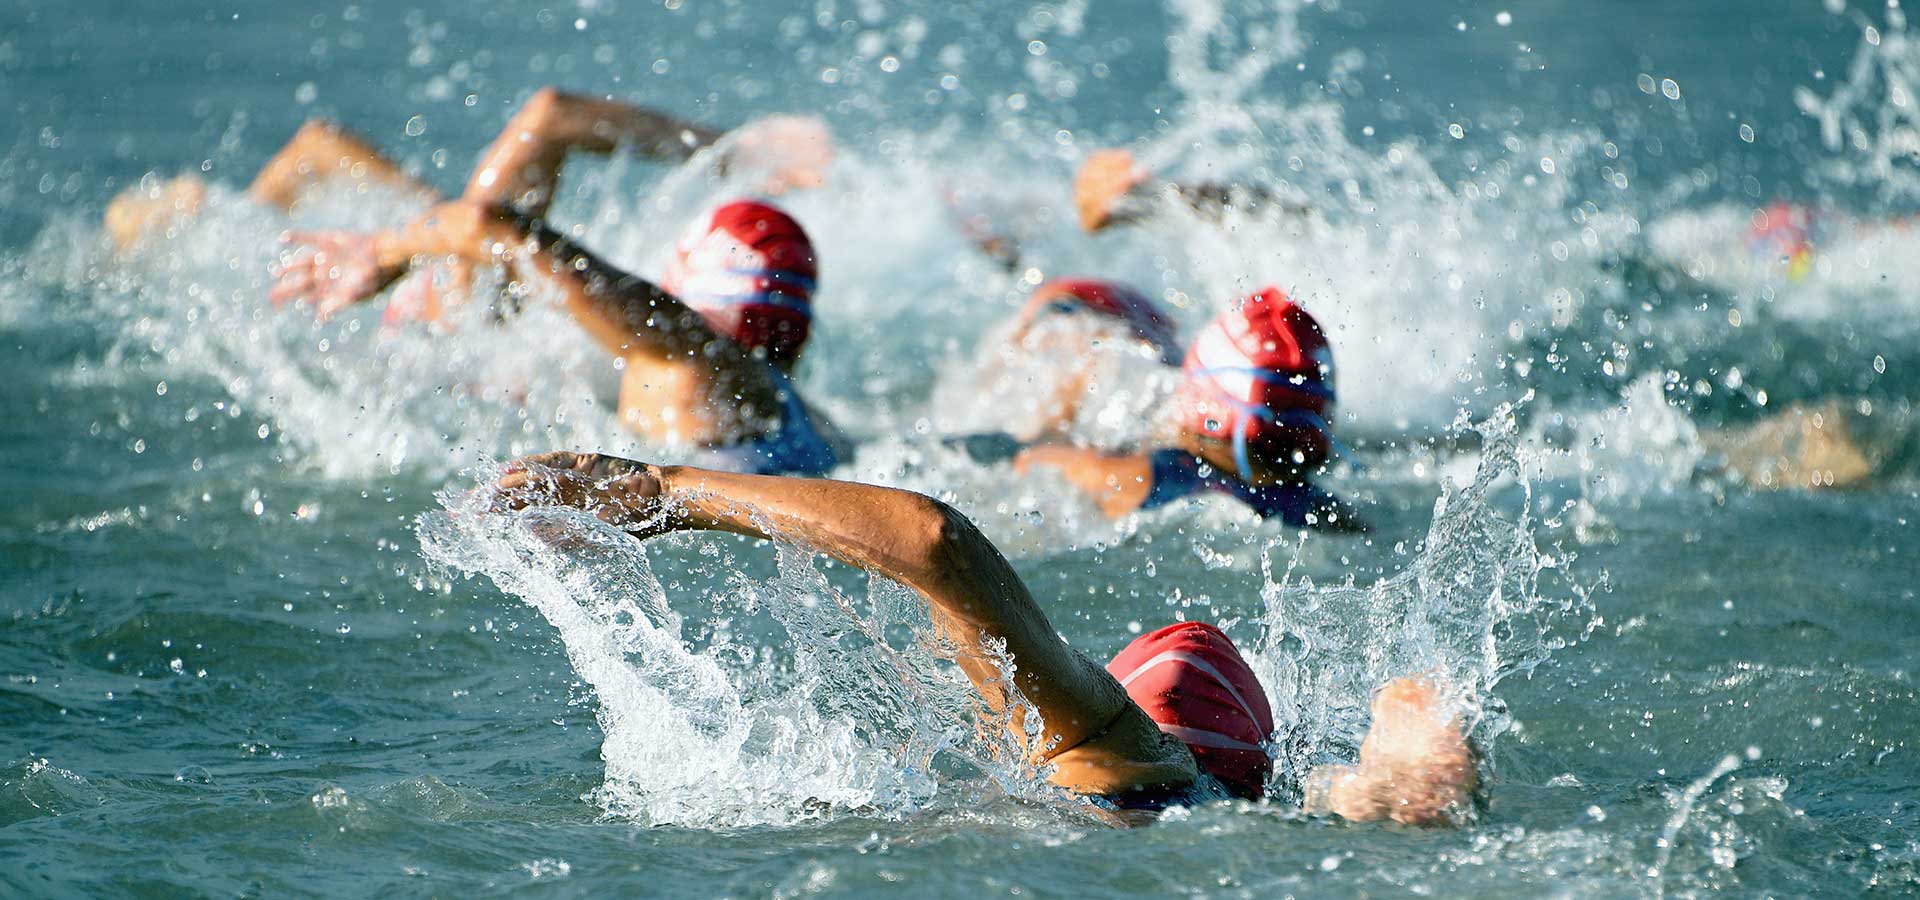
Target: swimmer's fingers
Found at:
598, 465
293, 282
619, 491
556, 459
536, 485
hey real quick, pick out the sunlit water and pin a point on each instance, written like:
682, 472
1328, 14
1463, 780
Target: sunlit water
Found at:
256, 641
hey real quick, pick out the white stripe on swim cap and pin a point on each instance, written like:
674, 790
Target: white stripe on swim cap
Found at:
1196, 661
1215, 349
1200, 737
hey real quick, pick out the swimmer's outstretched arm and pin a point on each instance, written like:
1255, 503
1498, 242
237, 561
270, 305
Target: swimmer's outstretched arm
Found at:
321, 151
522, 166
1111, 188
625, 314
1096, 738
622, 312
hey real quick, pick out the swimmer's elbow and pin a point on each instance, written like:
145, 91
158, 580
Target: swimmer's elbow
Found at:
940, 537
541, 109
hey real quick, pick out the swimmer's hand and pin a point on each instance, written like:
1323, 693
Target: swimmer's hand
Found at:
1104, 180
335, 270
1417, 765
620, 492
793, 151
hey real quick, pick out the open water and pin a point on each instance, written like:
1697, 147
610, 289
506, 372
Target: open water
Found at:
248, 646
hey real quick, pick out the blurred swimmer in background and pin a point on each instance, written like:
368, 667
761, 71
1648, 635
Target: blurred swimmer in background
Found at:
704, 358
1250, 421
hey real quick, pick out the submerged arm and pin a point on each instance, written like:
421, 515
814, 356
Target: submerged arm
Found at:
1100, 741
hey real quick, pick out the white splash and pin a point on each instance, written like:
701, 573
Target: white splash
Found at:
864, 718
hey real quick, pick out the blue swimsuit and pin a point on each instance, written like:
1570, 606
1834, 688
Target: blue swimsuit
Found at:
796, 447
1177, 474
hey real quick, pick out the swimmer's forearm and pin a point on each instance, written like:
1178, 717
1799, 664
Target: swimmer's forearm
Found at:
622, 312
973, 593
521, 167
1214, 200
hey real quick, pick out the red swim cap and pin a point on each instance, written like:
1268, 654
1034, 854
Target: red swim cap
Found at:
1261, 376
748, 269
1782, 231
1196, 686
1109, 299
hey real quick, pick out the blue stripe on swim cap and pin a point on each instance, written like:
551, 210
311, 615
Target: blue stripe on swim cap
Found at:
777, 276
775, 298
1305, 385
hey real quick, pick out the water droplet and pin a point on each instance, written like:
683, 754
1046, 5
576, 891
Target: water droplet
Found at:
1503, 18
1879, 364
416, 126
1670, 88
1746, 132
306, 93
264, 431
1457, 132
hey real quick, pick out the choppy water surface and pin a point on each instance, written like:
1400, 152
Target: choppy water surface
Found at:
253, 643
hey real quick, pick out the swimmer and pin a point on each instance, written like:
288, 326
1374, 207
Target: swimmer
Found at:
704, 358
1786, 233
1250, 422
1177, 718
1068, 334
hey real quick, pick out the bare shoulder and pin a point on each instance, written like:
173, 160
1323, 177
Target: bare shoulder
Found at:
1133, 754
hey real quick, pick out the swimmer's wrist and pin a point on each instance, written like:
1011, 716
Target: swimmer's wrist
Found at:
391, 255
670, 499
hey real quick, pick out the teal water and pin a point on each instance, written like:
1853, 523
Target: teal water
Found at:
246, 651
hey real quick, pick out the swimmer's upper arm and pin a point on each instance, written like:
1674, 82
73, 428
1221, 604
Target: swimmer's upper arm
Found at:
975, 597
521, 168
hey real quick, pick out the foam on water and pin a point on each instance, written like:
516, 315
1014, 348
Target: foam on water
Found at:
863, 719
1422, 281
1479, 601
